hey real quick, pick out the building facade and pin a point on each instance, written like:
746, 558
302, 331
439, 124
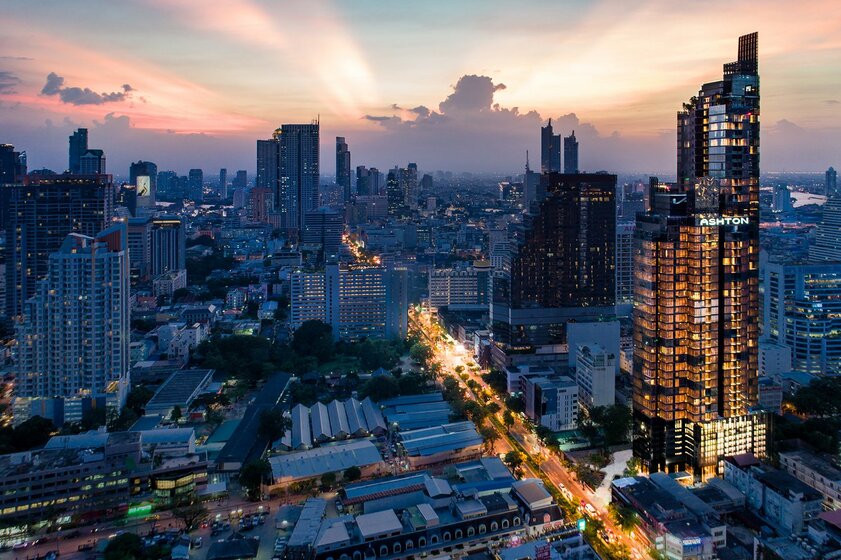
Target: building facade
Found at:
696, 291
570, 154
595, 373
73, 342
461, 288
551, 402
550, 150
827, 245
168, 250
343, 168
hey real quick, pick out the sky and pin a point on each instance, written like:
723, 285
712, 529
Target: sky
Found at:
452, 85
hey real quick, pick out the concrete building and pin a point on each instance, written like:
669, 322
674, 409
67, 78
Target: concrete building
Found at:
770, 395
167, 283
552, 402
436, 446
827, 246
73, 343
595, 373
167, 241
781, 499
817, 472
625, 268
774, 358
461, 288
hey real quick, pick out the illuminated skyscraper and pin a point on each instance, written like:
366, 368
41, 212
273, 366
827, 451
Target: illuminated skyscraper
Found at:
550, 150
570, 154
696, 290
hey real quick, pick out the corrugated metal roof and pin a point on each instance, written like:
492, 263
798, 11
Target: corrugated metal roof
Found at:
320, 420
338, 419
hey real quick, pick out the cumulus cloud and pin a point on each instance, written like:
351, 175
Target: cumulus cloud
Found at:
82, 96
8, 81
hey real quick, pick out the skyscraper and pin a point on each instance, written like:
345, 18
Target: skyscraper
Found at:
92, 162
73, 351
696, 291
831, 182
241, 179
324, 227
167, 245
223, 183
624, 267
394, 193
41, 212
144, 176
196, 185
12, 164
409, 183
550, 150
563, 268
570, 154
78, 147
343, 168
268, 161
827, 245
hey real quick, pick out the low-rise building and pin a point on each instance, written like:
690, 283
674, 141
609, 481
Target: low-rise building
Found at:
552, 402
817, 472
333, 458
168, 282
441, 445
595, 372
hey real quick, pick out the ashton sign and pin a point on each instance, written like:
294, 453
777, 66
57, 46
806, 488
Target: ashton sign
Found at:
722, 220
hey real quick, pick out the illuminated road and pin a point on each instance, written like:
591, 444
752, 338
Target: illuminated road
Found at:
450, 356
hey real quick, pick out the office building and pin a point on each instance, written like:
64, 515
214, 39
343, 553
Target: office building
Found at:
343, 178
802, 311
195, 185
73, 342
12, 165
563, 264
550, 150
40, 214
223, 183
551, 402
92, 162
324, 227
394, 194
168, 251
241, 179
268, 162
570, 154
297, 173
831, 182
817, 472
408, 177
167, 185
466, 287
782, 199
774, 358
696, 291
827, 245
625, 267
78, 146
260, 204
140, 248
595, 373
144, 176
358, 301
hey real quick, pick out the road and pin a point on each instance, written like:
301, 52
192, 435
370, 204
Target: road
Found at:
451, 356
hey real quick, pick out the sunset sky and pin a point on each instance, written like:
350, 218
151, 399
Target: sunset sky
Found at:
457, 85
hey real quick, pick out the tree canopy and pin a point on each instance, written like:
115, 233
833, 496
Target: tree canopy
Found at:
314, 338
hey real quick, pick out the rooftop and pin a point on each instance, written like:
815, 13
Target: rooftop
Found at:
378, 524
180, 389
328, 458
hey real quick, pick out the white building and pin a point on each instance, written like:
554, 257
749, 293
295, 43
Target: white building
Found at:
186, 339
167, 283
595, 372
774, 358
73, 343
625, 267
552, 403
460, 288
818, 473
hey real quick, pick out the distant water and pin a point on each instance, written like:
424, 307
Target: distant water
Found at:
802, 198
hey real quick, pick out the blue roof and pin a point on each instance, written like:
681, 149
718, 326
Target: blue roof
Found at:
384, 485
449, 437
413, 399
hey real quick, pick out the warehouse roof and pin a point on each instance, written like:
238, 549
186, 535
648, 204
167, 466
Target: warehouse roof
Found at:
328, 458
449, 437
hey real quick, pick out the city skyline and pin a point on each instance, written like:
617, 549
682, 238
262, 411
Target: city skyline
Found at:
190, 86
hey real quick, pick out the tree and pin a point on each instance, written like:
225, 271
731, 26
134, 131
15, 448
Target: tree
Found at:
176, 414
420, 352
474, 412
32, 433
459, 369
625, 517
615, 422
381, 387
314, 338
514, 460
273, 424
328, 479
821, 397
190, 511
138, 397
490, 436
508, 419
352, 473
252, 476
497, 380
492, 408
375, 354
126, 546
515, 404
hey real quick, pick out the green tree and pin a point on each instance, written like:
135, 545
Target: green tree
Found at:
32, 433
474, 412
176, 414
420, 352
490, 435
492, 408
497, 380
508, 419
190, 511
328, 479
253, 475
138, 397
614, 421
459, 369
625, 517
352, 473
314, 338
273, 424
515, 404
514, 460
126, 546
381, 388
821, 397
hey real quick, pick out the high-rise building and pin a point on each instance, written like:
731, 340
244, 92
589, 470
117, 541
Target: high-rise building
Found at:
260, 204
550, 150
409, 184
167, 242
144, 176
827, 245
803, 312
223, 183
394, 193
12, 165
563, 263
782, 199
78, 147
461, 288
40, 214
167, 185
195, 185
343, 168
140, 248
551, 402
696, 290
92, 162
73, 351
358, 301
570, 154
625, 267
831, 182
324, 227
241, 179
595, 373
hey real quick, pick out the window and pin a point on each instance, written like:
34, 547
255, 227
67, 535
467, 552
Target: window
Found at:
397, 548
383, 550
410, 545
422, 542
434, 539
494, 526
504, 523
447, 536
459, 534
471, 531
517, 521
483, 529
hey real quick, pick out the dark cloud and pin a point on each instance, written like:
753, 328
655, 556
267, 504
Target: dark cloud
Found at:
832, 102
16, 58
82, 96
8, 81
